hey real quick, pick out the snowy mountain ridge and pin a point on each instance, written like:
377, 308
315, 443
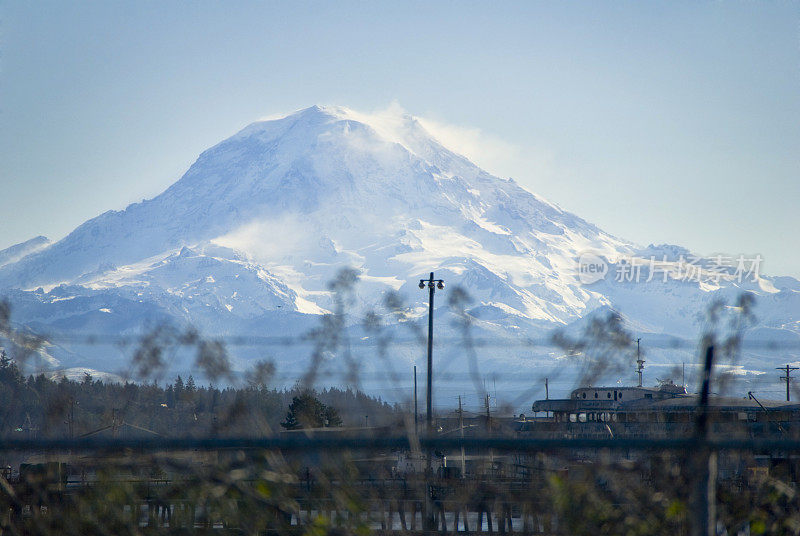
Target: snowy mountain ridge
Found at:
253, 232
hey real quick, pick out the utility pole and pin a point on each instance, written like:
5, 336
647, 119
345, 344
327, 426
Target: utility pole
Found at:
416, 412
639, 362
489, 429
461, 427
71, 418
432, 284
787, 378
488, 416
546, 390
683, 375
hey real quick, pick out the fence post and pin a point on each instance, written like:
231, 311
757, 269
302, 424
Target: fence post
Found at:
704, 490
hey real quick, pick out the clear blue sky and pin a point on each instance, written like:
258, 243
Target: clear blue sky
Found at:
659, 122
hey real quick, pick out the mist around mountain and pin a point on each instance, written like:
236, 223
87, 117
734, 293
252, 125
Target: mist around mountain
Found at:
247, 243
18, 251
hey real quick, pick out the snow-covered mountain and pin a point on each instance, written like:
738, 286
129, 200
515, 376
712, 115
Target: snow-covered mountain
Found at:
248, 239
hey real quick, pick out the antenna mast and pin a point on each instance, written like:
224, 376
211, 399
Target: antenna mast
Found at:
639, 361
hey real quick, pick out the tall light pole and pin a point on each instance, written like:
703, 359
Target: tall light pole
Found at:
432, 284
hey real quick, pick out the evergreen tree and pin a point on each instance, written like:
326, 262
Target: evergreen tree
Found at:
9, 373
331, 417
306, 411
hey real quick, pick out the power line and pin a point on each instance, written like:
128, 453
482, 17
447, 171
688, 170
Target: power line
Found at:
303, 340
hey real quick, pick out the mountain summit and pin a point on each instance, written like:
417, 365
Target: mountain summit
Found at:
328, 187
262, 221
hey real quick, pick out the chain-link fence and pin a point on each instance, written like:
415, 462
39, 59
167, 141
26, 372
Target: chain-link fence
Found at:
365, 483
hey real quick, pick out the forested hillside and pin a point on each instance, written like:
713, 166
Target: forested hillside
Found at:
42, 406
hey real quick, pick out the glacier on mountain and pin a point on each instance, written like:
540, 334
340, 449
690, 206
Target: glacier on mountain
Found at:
248, 239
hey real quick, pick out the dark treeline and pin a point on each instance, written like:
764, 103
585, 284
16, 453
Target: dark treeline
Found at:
41, 406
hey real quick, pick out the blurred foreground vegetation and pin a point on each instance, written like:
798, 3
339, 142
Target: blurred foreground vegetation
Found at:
348, 481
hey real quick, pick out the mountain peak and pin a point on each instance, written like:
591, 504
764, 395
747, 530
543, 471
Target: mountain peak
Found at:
321, 175
392, 125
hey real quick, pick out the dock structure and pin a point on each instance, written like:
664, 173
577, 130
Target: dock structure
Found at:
666, 411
